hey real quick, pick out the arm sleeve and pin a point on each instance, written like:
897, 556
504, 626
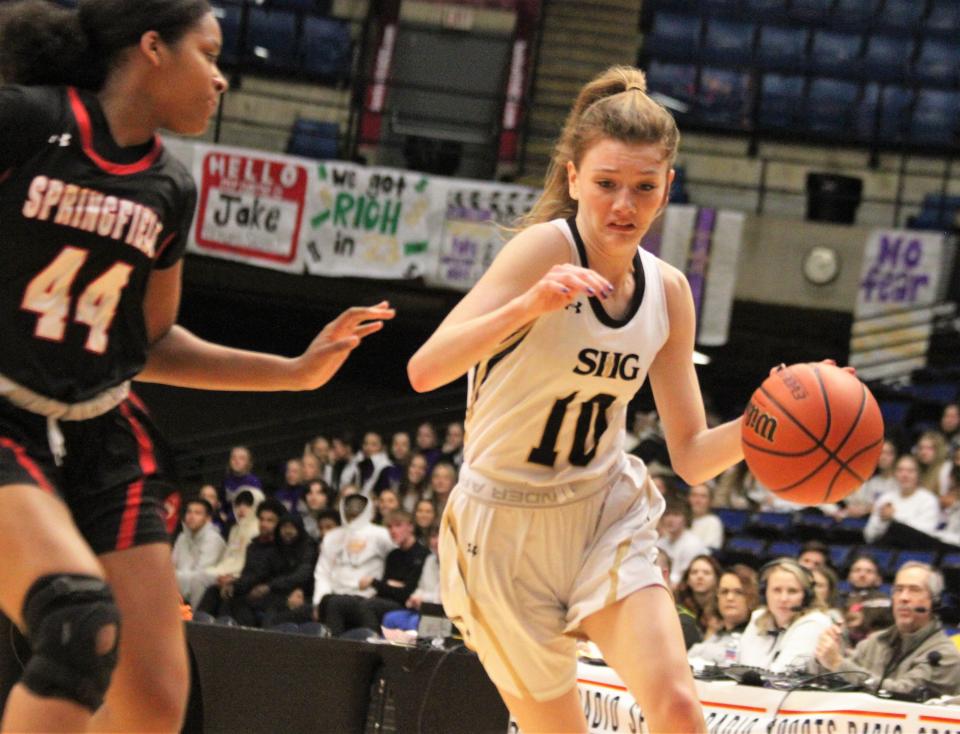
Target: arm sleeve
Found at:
714, 536
299, 578
800, 643
405, 568
875, 526
322, 584
210, 552
28, 116
173, 244
917, 671
429, 587
928, 516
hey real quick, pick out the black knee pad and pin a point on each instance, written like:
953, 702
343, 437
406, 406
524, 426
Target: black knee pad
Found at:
64, 615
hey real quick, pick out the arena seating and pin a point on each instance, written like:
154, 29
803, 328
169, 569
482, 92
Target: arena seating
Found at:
813, 67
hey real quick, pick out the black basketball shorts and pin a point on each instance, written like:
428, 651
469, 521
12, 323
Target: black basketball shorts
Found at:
111, 477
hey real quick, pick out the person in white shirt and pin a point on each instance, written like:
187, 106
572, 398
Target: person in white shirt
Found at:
199, 545
949, 531
676, 538
910, 504
350, 557
706, 526
949, 472
783, 634
861, 502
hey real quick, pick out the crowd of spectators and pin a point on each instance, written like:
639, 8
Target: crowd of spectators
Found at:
346, 541
346, 535
797, 615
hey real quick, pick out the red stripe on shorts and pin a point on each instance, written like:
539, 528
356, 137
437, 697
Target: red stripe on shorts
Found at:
28, 464
148, 465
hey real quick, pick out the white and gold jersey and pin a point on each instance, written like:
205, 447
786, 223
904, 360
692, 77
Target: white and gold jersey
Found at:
549, 407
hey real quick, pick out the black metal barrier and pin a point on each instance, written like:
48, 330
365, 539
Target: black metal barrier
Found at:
247, 680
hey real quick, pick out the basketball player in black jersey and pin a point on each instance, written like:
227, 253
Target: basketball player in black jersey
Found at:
94, 215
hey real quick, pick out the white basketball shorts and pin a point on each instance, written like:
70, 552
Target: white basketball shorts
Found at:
521, 568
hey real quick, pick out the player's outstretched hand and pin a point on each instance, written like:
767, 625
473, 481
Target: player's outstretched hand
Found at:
331, 347
562, 285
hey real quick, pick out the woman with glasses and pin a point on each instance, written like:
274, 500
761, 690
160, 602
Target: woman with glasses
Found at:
737, 596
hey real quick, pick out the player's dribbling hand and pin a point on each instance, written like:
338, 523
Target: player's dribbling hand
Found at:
331, 347
561, 286
831, 362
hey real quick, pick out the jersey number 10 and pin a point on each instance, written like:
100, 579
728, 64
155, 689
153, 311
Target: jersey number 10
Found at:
48, 294
593, 414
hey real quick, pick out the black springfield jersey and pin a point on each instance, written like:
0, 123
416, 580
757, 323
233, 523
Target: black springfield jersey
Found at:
83, 222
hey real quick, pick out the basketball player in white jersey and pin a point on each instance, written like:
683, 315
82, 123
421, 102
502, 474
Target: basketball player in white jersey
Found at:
551, 532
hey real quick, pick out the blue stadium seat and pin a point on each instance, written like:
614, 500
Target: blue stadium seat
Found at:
723, 98
326, 48
894, 412
313, 629
895, 103
781, 548
844, 587
938, 392
944, 17
849, 530
902, 14
314, 139
836, 53
728, 41
678, 189
781, 99
810, 11
302, 6
853, 14
289, 628
865, 119
228, 16
272, 39
765, 9
922, 556
887, 57
810, 525
673, 36
935, 122
742, 549
725, 7
678, 81
950, 568
770, 524
782, 48
830, 106
937, 212
840, 556
734, 521
883, 557
937, 63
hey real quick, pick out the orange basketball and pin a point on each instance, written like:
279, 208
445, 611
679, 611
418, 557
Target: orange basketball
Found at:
812, 433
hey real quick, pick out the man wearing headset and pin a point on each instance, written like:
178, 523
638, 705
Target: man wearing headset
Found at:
912, 654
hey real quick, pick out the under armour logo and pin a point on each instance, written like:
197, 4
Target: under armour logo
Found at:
63, 140
576, 306
473, 549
